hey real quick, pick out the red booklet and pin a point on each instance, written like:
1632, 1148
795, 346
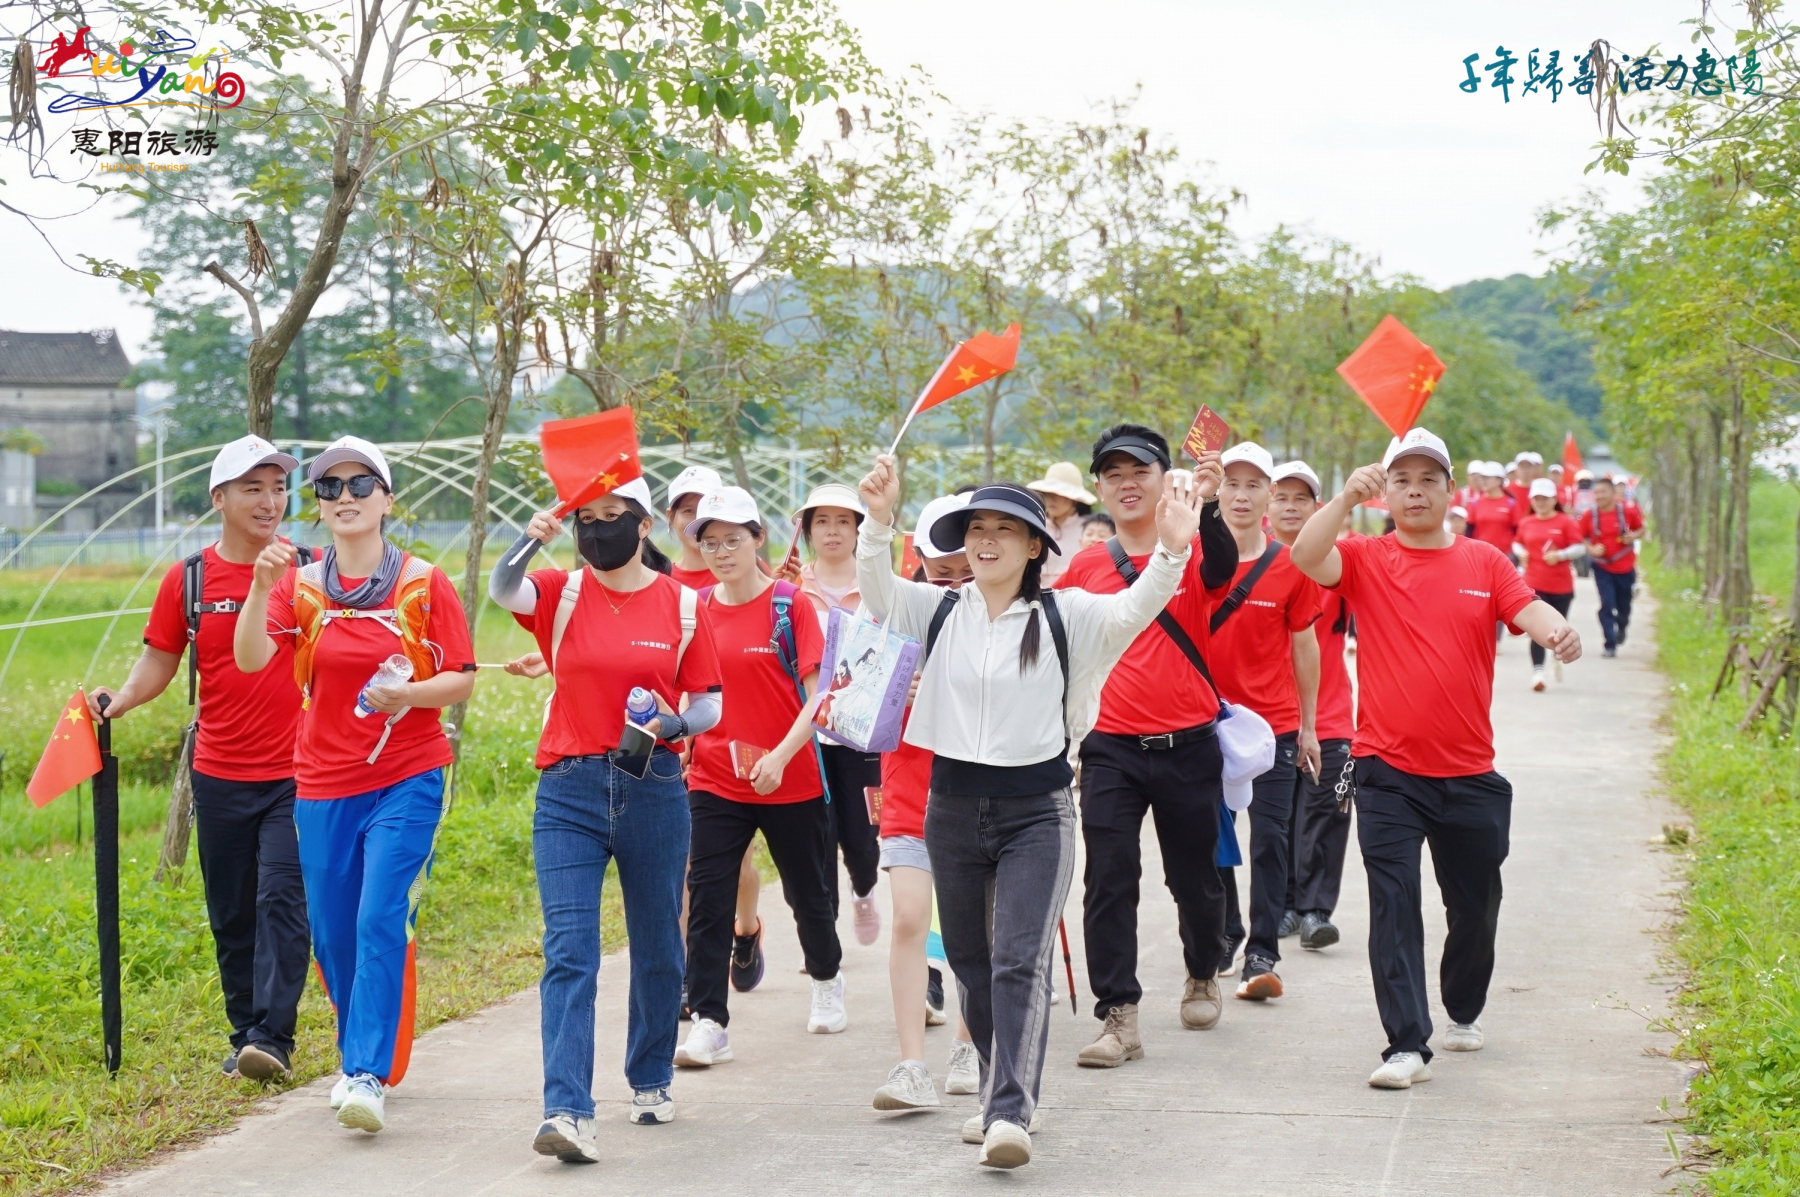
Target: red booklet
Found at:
872, 798
1208, 435
744, 757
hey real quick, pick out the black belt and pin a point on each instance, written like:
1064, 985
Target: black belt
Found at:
1175, 739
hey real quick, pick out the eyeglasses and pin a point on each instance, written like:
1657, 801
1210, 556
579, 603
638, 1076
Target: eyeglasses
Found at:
730, 544
329, 490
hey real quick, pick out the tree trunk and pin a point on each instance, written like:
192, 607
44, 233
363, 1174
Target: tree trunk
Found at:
302, 390
1738, 586
1713, 559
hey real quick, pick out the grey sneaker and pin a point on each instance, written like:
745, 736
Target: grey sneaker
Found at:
965, 1069
569, 1139
1464, 1037
908, 1087
652, 1106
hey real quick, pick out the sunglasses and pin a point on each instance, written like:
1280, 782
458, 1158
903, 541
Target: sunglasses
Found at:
329, 490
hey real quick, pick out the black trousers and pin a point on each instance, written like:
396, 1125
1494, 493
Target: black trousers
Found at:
1321, 834
1271, 814
1615, 603
256, 903
796, 833
1467, 821
1180, 788
1561, 603
847, 773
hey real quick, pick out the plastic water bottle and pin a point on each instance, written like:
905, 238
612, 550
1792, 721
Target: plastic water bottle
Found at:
640, 707
393, 671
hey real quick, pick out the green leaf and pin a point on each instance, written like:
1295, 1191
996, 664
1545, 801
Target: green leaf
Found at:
579, 57
710, 28
619, 64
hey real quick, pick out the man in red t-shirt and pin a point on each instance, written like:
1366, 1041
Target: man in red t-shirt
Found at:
1268, 660
1612, 528
243, 760
1153, 750
1320, 831
1425, 604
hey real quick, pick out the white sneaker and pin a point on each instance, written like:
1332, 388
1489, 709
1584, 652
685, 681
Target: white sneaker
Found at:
972, 1131
1537, 681
1464, 1037
908, 1087
364, 1104
707, 1044
1401, 1071
965, 1069
828, 1017
867, 920
569, 1139
1006, 1146
651, 1106
339, 1092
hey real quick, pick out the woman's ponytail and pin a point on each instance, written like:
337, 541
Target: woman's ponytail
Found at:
1030, 587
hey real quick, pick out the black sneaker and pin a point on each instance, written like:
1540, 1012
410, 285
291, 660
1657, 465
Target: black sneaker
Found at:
1619, 640
934, 998
1259, 981
261, 1062
1228, 961
1290, 923
747, 960
229, 1067
1316, 931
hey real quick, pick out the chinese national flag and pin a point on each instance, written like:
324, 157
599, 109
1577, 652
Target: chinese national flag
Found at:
982, 357
70, 758
590, 456
1571, 462
1394, 373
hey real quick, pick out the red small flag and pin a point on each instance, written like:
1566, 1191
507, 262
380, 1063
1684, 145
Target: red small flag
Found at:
1571, 461
590, 456
979, 359
70, 758
1394, 373
909, 557
1208, 435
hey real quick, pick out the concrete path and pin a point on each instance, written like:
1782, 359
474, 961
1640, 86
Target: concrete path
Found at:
1564, 1100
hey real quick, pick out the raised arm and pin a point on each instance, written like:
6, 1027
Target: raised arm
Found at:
1315, 551
507, 585
903, 605
1102, 626
251, 644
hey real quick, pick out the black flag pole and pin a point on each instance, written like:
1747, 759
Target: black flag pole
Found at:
106, 887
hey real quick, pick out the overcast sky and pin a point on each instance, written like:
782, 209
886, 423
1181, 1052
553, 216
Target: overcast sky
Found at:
1342, 117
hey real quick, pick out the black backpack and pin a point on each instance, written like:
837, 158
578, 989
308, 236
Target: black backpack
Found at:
193, 590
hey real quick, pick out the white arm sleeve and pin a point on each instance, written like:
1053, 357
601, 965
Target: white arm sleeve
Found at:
508, 586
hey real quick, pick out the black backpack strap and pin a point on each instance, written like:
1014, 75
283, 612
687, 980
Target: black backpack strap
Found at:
1168, 623
1241, 591
1059, 636
304, 554
947, 605
1342, 623
193, 591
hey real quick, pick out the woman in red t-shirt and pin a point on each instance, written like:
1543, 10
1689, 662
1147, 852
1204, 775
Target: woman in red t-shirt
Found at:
1551, 539
369, 791
756, 771
607, 793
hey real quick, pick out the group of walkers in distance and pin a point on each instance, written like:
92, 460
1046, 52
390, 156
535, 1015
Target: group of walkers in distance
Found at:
1150, 632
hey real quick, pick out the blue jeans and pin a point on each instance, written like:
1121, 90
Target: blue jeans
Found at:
364, 860
590, 813
1615, 603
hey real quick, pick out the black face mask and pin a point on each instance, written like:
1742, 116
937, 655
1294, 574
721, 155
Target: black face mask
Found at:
608, 544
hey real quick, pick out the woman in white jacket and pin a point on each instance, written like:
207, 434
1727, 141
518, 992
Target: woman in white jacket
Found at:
998, 707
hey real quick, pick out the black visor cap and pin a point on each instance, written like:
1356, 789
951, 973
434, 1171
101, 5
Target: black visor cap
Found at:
1142, 448
952, 528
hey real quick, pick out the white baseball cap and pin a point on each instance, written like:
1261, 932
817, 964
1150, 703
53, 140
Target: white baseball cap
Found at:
1529, 456
350, 448
928, 517
638, 491
1542, 486
1296, 469
1250, 453
695, 480
1418, 442
241, 456
1462, 511
728, 504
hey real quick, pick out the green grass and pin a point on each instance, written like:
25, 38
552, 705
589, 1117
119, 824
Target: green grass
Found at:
61, 1119
1740, 1008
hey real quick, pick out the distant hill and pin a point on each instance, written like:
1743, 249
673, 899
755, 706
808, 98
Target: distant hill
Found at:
1517, 311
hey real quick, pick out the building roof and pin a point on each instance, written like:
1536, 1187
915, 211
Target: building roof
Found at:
62, 359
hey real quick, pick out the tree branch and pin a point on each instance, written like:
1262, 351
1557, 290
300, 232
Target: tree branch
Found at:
220, 273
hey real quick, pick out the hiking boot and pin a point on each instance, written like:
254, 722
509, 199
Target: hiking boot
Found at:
1290, 924
746, 960
1200, 1004
1316, 931
1118, 1041
1464, 1037
1260, 981
1402, 1070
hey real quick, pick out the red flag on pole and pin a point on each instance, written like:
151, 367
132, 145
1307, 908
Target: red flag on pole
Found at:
70, 758
590, 456
1571, 461
981, 358
1394, 373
